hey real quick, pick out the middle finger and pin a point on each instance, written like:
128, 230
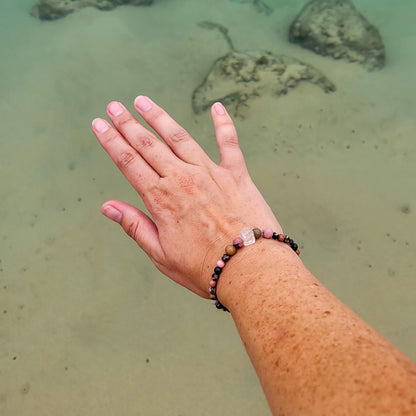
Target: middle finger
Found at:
153, 151
175, 136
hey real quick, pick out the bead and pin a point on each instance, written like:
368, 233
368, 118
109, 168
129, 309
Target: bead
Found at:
212, 290
218, 305
297, 252
225, 258
220, 263
281, 237
294, 246
267, 233
213, 283
247, 235
215, 276
230, 250
257, 233
286, 240
218, 270
238, 242
212, 297
275, 236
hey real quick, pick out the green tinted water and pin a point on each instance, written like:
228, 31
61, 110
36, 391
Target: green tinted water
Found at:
87, 325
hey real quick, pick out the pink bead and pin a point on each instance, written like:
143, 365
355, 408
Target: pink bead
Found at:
213, 283
220, 263
238, 242
267, 233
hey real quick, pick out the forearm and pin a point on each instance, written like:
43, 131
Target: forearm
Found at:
312, 354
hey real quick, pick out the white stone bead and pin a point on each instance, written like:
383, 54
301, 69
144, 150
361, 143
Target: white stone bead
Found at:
247, 235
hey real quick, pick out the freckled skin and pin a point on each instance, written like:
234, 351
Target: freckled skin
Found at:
312, 354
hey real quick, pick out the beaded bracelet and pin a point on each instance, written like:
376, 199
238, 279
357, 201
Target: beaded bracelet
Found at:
247, 237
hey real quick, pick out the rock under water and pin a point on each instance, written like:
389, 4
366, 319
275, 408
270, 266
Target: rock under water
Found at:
55, 9
237, 76
260, 5
336, 28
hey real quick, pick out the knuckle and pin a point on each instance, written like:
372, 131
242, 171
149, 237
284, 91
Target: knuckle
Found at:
153, 115
227, 123
230, 140
159, 195
145, 141
126, 159
188, 183
125, 123
132, 229
108, 137
179, 136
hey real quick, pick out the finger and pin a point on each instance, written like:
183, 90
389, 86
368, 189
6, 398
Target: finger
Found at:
137, 225
230, 153
131, 164
155, 152
176, 137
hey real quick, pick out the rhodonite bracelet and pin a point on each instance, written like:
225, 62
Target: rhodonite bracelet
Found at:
247, 236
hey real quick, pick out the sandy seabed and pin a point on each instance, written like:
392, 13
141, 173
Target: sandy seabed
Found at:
87, 325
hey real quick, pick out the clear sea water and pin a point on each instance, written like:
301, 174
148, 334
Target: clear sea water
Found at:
87, 325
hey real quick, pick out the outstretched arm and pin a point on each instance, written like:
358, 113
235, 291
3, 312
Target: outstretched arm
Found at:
313, 355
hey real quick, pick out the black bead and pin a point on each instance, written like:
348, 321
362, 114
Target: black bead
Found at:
286, 240
218, 305
275, 236
294, 246
291, 241
218, 270
225, 258
215, 277
212, 290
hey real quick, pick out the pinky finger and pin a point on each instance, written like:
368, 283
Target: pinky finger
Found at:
137, 225
230, 153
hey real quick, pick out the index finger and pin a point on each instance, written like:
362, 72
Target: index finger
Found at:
137, 171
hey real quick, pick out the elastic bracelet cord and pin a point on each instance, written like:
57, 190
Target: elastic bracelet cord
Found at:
247, 236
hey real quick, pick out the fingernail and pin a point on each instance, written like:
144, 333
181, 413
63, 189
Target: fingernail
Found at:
219, 108
115, 108
99, 125
112, 213
143, 103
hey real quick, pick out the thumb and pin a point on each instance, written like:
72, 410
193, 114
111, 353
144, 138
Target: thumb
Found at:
137, 225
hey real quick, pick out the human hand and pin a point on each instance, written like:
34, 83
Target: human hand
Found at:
197, 207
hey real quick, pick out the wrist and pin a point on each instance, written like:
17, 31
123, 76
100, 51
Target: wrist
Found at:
253, 268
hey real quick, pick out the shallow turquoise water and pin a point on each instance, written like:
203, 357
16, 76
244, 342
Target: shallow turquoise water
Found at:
87, 326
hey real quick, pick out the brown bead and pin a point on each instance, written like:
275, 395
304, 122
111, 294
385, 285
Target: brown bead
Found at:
230, 250
257, 233
297, 252
281, 237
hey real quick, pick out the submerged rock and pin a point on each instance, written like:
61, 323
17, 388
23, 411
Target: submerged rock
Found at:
55, 9
259, 5
237, 76
336, 28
